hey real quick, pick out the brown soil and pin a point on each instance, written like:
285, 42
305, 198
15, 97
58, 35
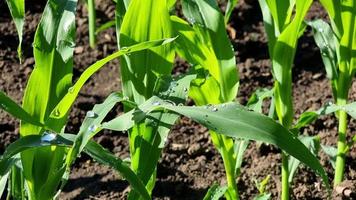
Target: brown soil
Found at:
189, 164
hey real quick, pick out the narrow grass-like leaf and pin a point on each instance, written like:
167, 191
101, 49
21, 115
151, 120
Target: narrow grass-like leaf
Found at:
215, 192
91, 126
313, 144
327, 43
62, 109
10, 106
17, 10
105, 26
3, 181
240, 146
229, 8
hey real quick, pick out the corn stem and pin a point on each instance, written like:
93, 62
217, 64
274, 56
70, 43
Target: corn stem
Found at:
92, 25
223, 144
285, 175
341, 146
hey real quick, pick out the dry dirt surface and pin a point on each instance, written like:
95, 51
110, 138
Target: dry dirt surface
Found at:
189, 164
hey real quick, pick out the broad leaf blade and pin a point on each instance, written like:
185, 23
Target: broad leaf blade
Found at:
139, 71
233, 120
208, 33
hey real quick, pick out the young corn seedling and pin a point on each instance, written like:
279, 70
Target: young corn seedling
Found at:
139, 21
338, 46
205, 44
39, 162
283, 31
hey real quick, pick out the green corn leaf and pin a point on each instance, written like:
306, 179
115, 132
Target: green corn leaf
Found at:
171, 4
331, 152
313, 144
308, 117
234, 120
269, 26
31, 141
50, 80
283, 56
63, 107
229, 8
256, 100
10, 106
327, 43
3, 181
215, 192
334, 10
91, 126
105, 26
206, 44
240, 147
281, 12
139, 71
17, 10
103, 156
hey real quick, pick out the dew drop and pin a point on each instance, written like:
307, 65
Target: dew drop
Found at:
57, 113
91, 114
215, 109
320, 30
206, 116
180, 104
48, 137
156, 103
3, 106
71, 90
92, 128
185, 90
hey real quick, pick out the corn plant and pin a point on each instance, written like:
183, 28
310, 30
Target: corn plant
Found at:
45, 155
337, 46
205, 44
229, 119
283, 31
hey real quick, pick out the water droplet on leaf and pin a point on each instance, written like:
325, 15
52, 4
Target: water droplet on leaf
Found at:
71, 90
156, 103
48, 137
56, 113
91, 114
92, 128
